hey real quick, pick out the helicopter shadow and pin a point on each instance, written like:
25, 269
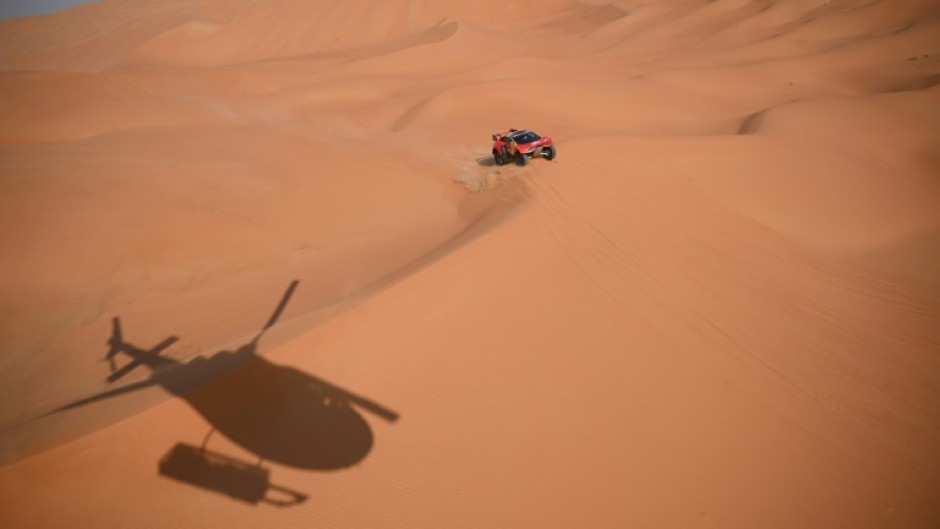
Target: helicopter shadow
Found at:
276, 412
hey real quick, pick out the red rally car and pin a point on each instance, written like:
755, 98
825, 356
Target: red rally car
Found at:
520, 145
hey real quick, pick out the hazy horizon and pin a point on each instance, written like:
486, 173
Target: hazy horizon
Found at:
22, 8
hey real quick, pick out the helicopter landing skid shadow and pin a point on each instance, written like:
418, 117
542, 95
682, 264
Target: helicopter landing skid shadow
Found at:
220, 473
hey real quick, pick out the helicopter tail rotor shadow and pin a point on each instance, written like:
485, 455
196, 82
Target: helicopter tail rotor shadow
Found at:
150, 358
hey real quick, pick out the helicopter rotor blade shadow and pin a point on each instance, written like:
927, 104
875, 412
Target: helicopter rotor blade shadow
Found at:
105, 395
276, 315
360, 401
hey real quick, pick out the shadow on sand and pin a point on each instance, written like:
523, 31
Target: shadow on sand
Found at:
243, 481
278, 413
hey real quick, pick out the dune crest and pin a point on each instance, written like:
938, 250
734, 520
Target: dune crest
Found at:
717, 307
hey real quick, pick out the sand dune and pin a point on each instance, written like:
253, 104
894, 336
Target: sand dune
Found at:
718, 307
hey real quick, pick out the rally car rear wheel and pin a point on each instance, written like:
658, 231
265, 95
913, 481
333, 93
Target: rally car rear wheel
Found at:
550, 153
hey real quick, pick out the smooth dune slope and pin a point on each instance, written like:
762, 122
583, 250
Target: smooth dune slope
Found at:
718, 307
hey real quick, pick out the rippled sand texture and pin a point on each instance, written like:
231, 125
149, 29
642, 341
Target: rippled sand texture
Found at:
260, 271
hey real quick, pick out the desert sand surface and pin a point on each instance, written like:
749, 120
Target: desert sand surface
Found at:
260, 270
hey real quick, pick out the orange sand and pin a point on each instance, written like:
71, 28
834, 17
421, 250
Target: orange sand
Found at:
718, 307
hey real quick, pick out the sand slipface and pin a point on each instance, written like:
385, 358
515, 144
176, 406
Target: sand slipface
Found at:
260, 270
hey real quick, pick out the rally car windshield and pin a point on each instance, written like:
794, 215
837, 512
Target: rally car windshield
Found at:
524, 136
